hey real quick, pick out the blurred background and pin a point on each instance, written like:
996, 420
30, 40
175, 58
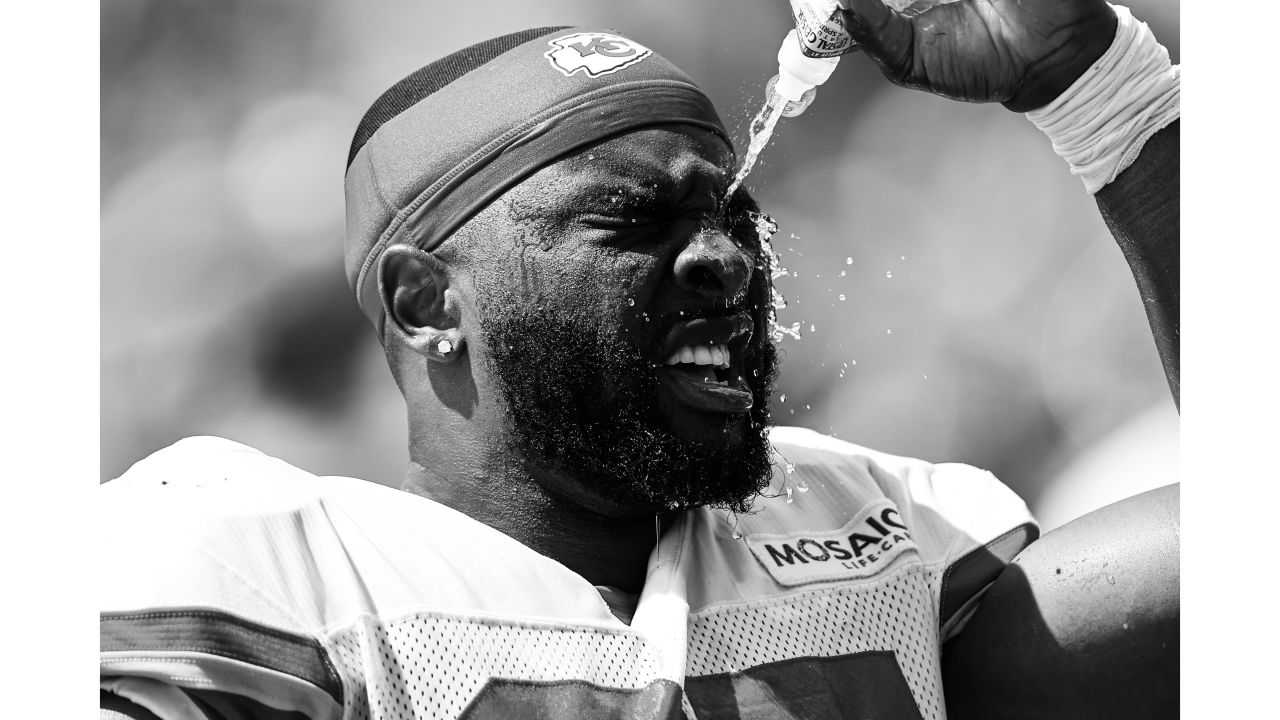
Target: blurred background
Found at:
959, 297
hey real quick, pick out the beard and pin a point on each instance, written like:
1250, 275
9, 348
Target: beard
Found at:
583, 403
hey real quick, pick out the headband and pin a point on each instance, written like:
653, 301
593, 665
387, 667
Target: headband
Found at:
446, 141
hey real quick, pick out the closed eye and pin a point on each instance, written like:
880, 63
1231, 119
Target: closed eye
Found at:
619, 222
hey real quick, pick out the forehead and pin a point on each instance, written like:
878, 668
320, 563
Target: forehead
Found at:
670, 155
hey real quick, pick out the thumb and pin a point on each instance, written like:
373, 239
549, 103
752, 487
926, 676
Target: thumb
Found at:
883, 34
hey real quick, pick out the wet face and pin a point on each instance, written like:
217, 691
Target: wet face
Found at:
622, 311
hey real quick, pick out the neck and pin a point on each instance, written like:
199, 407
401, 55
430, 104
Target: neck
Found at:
604, 550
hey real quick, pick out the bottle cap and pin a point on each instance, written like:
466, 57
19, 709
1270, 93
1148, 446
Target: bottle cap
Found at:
790, 87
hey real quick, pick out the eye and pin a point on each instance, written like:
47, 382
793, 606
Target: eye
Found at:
621, 211
619, 221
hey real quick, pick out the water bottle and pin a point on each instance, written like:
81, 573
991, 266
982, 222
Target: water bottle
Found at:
809, 53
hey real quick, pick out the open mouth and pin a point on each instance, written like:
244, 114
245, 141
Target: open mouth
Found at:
703, 363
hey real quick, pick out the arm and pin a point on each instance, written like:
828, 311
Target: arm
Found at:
1140, 208
1095, 635
1085, 622
1054, 59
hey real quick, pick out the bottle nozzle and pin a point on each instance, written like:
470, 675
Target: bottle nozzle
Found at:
797, 95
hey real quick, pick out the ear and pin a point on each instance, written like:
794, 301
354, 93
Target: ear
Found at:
420, 312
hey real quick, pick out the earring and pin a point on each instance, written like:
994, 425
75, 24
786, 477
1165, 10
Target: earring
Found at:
445, 347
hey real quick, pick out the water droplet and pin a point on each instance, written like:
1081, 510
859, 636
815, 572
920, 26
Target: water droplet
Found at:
1124, 626
848, 261
790, 467
631, 302
812, 328
783, 398
904, 257
843, 273
802, 486
789, 498
792, 411
591, 156
841, 296
887, 331
888, 274
807, 407
926, 376
613, 198
737, 535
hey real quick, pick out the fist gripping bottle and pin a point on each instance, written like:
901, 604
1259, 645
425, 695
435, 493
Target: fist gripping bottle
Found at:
809, 53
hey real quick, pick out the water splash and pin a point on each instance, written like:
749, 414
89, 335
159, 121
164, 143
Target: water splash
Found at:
772, 264
761, 131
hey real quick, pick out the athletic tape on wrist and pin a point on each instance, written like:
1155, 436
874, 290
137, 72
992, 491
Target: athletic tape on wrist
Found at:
1100, 123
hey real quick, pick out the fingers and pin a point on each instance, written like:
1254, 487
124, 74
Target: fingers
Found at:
884, 34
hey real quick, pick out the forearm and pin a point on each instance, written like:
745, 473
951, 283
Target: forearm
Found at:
1117, 128
1141, 209
1083, 624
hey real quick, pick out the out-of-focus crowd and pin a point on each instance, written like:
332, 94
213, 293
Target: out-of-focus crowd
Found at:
958, 295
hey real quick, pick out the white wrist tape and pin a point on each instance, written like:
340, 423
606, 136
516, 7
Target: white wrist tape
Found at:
1100, 123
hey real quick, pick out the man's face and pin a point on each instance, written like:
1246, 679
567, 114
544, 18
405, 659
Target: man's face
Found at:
623, 312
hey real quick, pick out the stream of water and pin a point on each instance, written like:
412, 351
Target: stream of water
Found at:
761, 131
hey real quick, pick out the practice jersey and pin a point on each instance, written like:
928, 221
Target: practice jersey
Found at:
242, 587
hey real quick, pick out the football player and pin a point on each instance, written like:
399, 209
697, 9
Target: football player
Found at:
599, 519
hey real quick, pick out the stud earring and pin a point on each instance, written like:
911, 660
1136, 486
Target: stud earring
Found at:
445, 347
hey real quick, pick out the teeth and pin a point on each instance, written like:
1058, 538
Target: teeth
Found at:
712, 355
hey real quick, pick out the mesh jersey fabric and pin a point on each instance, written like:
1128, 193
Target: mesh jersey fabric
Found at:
238, 576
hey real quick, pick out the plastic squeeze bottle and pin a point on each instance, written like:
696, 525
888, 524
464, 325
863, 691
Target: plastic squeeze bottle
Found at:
810, 52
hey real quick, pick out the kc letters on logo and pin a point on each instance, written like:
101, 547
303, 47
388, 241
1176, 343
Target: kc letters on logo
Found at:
864, 547
595, 54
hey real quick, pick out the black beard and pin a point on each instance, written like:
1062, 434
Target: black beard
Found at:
583, 403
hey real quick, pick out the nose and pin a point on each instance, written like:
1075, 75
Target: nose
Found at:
713, 266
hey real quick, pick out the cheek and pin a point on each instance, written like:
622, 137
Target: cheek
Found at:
616, 287
583, 285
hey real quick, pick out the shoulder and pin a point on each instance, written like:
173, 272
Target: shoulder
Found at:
963, 522
942, 499
211, 495
215, 524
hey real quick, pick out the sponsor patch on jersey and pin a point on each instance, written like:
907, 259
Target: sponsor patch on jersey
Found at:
862, 548
595, 54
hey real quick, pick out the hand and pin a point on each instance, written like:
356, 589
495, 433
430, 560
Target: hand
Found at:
1022, 53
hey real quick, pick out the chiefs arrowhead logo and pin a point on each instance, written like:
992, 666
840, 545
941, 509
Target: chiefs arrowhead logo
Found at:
595, 54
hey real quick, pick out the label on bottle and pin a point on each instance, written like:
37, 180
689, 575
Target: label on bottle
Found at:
820, 28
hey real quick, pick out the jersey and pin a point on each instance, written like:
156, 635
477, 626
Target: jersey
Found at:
244, 587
